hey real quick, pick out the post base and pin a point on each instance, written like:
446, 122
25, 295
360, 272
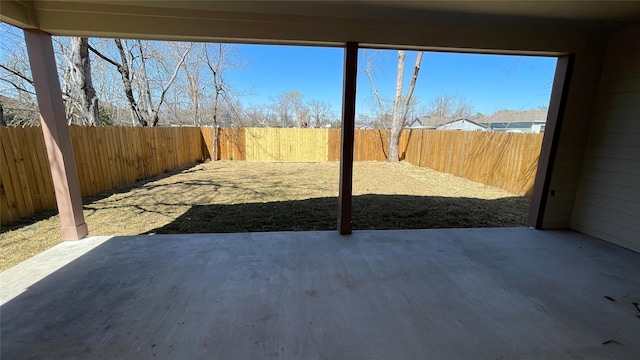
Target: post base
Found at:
74, 233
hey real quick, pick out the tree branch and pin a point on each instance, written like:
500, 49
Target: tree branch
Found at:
367, 71
17, 73
103, 57
166, 88
19, 88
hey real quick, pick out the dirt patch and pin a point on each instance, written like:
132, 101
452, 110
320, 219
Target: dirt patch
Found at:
237, 196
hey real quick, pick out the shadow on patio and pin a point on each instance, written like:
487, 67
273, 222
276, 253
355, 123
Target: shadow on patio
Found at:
370, 212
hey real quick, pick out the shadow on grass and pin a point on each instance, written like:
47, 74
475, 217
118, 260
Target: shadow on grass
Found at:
45, 214
375, 212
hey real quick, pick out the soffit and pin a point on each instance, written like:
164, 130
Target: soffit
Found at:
312, 21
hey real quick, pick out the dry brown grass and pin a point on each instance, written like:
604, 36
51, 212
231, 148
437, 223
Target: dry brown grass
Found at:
236, 196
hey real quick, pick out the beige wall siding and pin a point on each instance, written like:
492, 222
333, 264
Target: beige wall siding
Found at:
607, 202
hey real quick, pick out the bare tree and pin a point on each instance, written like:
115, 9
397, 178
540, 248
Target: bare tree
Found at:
150, 108
18, 79
451, 105
113, 105
401, 103
64, 53
287, 105
218, 59
400, 119
299, 108
383, 114
124, 68
21, 110
20, 106
214, 60
16, 85
282, 107
143, 109
194, 90
156, 109
257, 116
320, 112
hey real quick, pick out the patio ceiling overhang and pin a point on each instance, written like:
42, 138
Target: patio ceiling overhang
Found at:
435, 24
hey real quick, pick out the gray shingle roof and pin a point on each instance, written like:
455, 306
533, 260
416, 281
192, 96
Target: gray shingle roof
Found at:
434, 121
509, 116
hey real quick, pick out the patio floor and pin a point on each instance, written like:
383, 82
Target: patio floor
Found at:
497, 293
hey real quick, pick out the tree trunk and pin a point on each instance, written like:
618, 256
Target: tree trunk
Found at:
396, 123
214, 140
214, 144
82, 69
145, 104
194, 95
123, 69
412, 86
400, 118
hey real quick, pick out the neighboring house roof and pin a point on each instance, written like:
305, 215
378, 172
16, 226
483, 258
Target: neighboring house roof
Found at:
464, 120
416, 124
513, 125
363, 126
504, 118
509, 116
429, 122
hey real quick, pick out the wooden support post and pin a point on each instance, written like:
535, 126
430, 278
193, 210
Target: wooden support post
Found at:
56, 134
346, 148
559, 93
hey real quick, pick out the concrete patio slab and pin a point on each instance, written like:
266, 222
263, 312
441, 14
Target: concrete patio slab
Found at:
507, 293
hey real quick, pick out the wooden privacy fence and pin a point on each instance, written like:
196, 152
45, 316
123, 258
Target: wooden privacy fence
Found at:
106, 158
505, 160
109, 157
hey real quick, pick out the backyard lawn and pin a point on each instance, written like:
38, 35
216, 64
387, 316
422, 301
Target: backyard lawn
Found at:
238, 196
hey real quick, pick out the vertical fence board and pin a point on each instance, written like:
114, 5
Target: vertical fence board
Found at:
80, 158
112, 166
10, 190
26, 183
29, 137
88, 173
120, 177
94, 146
333, 139
136, 157
207, 135
4, 206
21, 174
44, 169
126, 155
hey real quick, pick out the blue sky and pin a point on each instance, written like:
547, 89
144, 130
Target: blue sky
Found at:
489, 82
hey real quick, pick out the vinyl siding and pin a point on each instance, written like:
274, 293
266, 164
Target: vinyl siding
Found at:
607, 203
